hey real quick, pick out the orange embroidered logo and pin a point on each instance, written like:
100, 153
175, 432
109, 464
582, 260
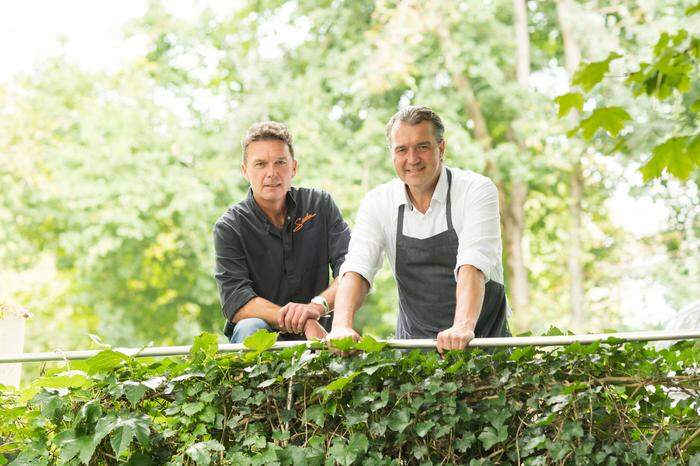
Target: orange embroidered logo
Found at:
299, 223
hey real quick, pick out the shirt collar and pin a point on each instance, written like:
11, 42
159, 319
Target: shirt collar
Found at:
255, 208
439, 194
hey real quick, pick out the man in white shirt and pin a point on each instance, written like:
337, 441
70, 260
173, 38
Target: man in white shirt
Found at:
440, 230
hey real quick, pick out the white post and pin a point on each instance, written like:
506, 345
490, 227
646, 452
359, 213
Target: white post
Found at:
12, 321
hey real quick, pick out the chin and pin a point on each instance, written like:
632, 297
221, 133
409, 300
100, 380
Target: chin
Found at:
273, 194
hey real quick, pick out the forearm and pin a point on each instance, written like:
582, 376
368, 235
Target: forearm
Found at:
330, 293
260, 308
350, 295
470, 296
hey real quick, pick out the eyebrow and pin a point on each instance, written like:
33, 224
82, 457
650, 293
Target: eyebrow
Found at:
264, 159
419, 143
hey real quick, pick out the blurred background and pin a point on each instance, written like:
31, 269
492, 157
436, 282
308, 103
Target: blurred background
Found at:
120, 129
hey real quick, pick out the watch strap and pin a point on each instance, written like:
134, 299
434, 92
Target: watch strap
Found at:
322, 301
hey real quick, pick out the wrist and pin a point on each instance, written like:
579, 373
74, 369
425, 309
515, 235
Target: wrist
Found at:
321, 302
310, 323
465, 325
319, 310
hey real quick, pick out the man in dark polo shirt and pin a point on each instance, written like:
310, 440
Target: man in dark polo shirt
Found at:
274, 248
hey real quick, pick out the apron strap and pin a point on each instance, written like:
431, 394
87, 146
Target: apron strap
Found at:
448, 207
399, 221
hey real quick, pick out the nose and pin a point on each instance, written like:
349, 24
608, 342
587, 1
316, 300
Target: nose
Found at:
412, 156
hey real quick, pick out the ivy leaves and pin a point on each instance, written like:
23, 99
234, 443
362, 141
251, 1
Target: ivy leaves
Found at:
78, 443
202, 452
526, 406
258, 342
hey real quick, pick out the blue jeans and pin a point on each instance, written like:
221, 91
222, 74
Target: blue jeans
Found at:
246, 327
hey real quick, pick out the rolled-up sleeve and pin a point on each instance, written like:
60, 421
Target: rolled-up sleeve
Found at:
480, 235
338, 237
231, 272
366, 242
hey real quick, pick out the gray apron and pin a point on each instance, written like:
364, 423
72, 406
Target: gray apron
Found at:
427, 288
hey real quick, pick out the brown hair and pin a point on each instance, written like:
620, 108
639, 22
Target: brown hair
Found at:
267, 131
414, 114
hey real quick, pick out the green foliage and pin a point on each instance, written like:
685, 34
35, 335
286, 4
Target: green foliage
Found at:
611, 119
591, 74
568, 102
678, 155
206, 343
670, 76
111, 181
671, 71
582, 404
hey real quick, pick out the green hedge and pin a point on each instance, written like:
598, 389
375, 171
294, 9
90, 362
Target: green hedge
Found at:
581, 404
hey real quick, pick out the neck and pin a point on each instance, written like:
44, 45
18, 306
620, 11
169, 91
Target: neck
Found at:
421, 196
274, 211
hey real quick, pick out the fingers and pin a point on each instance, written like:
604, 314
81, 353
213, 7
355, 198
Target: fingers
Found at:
289, 317
298, 321
339, 335
293, 316
441, 342
459, 342
452, 340
281, 316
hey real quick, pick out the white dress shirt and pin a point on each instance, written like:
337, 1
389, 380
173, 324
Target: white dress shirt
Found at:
475, 218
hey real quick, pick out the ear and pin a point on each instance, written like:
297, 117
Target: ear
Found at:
441, 148
244, 171
294, 167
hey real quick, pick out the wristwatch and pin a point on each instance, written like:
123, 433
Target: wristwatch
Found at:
322, 301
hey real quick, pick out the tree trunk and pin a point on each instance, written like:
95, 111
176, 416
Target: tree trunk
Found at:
514, 221
522, 41
514, 218
511, 197
577, 294
462, 81
572, 56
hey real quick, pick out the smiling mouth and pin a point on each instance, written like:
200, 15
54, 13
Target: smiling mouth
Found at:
414, 170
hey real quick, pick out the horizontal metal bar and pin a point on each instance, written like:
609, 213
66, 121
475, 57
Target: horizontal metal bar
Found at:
558, 340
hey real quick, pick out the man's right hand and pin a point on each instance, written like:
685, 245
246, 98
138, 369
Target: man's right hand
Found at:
292, 317
339, 334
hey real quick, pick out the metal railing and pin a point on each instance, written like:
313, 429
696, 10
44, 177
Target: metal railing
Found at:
558, 340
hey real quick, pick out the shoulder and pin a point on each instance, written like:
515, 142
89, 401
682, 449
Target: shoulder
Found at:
468, 183
232, 218
312, 198
385, 193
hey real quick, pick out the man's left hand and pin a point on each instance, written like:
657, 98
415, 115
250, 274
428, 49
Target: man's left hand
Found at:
293, 316
455, 337
314, 331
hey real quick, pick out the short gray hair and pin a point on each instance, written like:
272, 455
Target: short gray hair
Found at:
414, 114
267, 131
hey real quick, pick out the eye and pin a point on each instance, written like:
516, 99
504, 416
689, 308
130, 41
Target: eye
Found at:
423, 147
281, 162
259, 164
400, 150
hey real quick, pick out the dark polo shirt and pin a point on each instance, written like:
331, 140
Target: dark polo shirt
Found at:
253, 258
